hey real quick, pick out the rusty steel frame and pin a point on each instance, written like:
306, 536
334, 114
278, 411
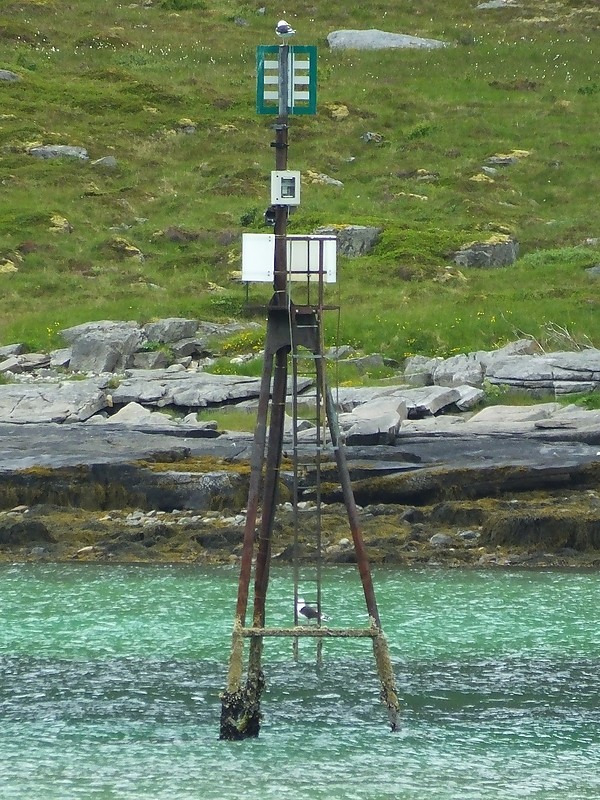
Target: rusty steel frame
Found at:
287, 327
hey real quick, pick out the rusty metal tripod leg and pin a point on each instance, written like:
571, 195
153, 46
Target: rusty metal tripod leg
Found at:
385, 670
234, 700
240, 710
255, 683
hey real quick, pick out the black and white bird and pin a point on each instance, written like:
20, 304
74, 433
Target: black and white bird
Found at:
284, 30
308, 612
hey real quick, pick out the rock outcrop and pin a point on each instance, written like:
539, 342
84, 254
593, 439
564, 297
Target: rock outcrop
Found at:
353, 240
59, 151
500, 251
378, 40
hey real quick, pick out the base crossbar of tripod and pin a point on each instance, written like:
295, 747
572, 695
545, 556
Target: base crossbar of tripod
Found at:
314, 632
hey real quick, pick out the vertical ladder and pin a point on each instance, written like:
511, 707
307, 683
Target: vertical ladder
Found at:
313, 327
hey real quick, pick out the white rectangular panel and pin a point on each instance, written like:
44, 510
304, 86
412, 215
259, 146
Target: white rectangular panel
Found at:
304, 255
258, 253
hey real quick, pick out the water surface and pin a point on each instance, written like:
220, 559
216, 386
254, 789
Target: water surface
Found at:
110, 676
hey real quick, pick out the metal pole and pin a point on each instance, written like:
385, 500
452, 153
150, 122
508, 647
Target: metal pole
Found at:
362, 559
296, 566
281, 150
389, 694
256, 464
274, 451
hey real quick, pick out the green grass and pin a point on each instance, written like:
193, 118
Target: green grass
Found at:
229, 419
118, 79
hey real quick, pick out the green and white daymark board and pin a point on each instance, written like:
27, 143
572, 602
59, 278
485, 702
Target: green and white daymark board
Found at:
302, 79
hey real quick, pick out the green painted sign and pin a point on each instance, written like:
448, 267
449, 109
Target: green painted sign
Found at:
302, 79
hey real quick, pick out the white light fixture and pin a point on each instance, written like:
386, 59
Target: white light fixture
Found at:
285, 187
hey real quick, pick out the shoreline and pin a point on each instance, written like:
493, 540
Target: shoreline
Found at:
526, 499
396, 537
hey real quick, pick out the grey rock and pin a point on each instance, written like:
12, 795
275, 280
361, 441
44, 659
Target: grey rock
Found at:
59, 151
33, 361
171, 329
110, 162
92, 354
244, 358
26, 363
378, 40
594, 271
302, 425
521, 347
70, 335
11, 365
203, 491
488, 254
470, 396
57, 445
61, 357
420, 401
192, 390
11, 350
39, 552
428, 400
23, 531
376, 422
418, 378
353, 240
152, 359
325, 180
71, 401
502, 161
500, 416
189, 347
365, 363
338, 353
491, 4
418, 370
372, 136
187, 130
441, 540
192, 419
459, 370
349, 397
136, 414
561, 372
104, 346
7, 75
468, 536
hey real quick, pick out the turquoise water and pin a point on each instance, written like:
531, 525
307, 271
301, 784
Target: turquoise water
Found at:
110, 676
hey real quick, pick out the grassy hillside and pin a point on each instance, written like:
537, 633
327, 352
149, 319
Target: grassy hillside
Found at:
159, 235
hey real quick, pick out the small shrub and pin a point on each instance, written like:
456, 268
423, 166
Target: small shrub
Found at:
418, 131
589, 400
591, 88
249, 217
227, 304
